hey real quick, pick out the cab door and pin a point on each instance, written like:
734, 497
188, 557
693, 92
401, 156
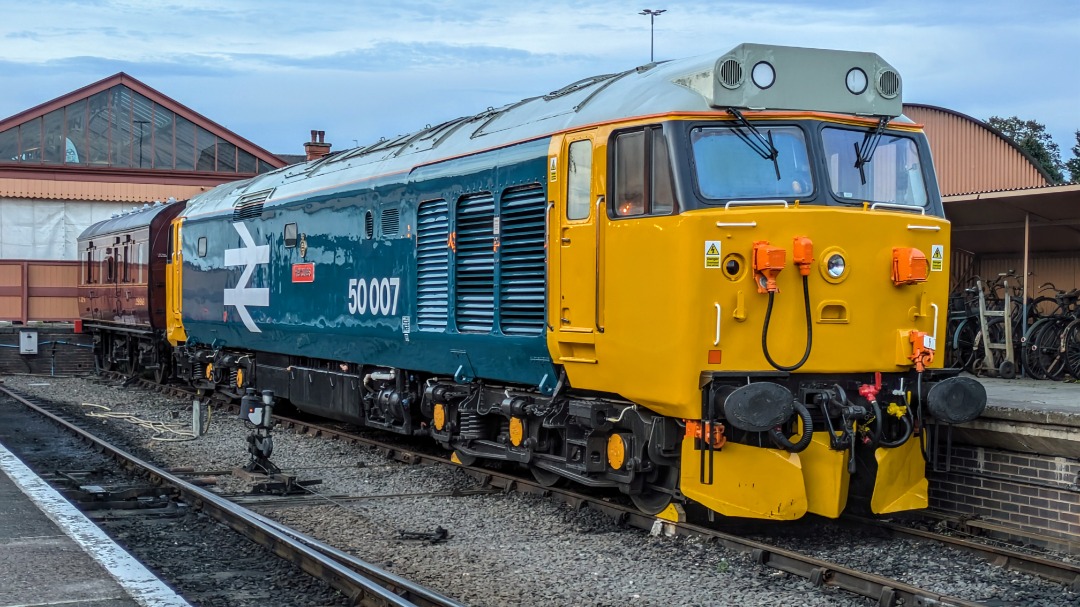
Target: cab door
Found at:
578, 195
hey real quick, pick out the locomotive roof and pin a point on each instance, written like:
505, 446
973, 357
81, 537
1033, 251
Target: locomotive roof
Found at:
129, 220
804, 79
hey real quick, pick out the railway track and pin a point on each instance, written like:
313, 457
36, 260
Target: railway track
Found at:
362, 582
884, 590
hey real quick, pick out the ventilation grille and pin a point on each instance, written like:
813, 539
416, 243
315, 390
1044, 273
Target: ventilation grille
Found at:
432, 257
522, 275
474, 264
369, 225
391, 222
731, 73
888, 84
250, 206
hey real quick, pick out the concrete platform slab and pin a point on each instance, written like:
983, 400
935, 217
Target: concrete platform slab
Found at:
51, 554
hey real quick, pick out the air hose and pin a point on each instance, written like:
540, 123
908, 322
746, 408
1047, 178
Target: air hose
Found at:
809, 330
807, 432
905, 419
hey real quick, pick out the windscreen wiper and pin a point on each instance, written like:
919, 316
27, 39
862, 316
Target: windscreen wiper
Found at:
865, 153
759, 143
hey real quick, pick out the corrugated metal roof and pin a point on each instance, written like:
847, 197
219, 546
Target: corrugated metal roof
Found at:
48, 189
972, 157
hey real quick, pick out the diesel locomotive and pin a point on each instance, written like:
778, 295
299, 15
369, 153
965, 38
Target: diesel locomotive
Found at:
716, 281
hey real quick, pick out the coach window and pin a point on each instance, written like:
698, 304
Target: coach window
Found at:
290, 235
579, 180
125, 268
109, 266
88, 268
202, 246
142, 262
643, 183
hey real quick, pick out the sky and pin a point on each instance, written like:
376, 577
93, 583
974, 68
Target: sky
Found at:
273, 70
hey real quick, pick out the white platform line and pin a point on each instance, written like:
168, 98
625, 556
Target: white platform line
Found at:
137, 580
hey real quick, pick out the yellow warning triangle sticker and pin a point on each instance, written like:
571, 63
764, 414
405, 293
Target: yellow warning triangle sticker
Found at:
712, 250
936, 254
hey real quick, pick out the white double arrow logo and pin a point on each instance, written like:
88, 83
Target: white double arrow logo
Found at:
242, 296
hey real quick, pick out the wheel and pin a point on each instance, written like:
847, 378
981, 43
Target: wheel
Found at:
547, 478
1071, 348
655, 495
963, 345
132, 363
161, 372
1007, 370
108, 357
1029, 351
463, 459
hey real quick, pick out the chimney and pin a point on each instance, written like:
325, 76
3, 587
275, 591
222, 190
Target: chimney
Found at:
316, 148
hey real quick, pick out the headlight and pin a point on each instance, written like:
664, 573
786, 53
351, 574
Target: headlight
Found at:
856, 81
763, 75
835, 266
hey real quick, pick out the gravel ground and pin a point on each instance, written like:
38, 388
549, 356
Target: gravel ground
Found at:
515, 549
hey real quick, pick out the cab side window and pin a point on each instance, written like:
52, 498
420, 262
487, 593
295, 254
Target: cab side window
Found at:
579, 180
642, 174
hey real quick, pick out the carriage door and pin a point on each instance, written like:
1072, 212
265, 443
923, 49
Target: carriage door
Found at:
575, 316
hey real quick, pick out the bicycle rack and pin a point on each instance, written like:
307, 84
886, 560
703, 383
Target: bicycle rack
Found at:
1007, 368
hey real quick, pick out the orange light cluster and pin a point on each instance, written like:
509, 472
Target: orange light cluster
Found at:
768, 261
909, 266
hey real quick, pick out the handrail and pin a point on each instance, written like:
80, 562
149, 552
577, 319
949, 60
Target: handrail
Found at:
748, 203
717, 341
902, 207
736, 224
596, 302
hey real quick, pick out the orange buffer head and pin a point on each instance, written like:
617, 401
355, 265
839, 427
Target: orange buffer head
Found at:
768, 261
803, 254
909, 266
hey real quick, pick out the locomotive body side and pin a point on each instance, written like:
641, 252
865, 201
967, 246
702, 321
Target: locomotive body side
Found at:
713, 282
344, 275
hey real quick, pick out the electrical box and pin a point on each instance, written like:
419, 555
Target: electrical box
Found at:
28, 341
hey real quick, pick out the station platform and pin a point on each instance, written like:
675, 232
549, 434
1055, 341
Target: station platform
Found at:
1029, 416
51, 554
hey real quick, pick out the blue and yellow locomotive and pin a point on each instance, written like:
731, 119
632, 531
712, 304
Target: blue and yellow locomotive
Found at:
716, 281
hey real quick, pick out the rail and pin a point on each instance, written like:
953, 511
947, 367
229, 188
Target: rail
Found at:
363, 582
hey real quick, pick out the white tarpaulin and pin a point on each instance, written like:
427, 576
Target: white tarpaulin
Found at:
47, 229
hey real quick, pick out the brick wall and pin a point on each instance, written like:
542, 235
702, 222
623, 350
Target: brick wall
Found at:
61, 351
1030, 493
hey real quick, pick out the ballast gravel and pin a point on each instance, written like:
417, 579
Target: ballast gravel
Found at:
512, 549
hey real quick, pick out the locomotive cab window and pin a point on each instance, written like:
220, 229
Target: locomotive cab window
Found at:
579, 180
728, 165
893, 173
643, 182
290, 235
201, 250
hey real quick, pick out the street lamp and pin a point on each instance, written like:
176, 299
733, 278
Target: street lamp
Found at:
653, 14
141, 124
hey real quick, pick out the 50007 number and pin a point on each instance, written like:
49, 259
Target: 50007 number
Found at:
378, 297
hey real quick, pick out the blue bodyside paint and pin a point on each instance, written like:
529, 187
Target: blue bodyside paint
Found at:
331, 317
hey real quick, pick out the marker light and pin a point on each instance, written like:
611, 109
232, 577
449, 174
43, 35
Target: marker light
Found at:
836, 265
764, 75
856, 81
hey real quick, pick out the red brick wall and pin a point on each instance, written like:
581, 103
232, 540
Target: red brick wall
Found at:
1031, 493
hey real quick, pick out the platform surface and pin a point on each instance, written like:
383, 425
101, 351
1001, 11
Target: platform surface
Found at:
50, 554
1032, 400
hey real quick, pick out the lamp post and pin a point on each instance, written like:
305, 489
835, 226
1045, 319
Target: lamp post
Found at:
141, 124
653, 14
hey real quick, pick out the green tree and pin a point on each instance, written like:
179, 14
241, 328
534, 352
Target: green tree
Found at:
1074, 164
1031, 136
